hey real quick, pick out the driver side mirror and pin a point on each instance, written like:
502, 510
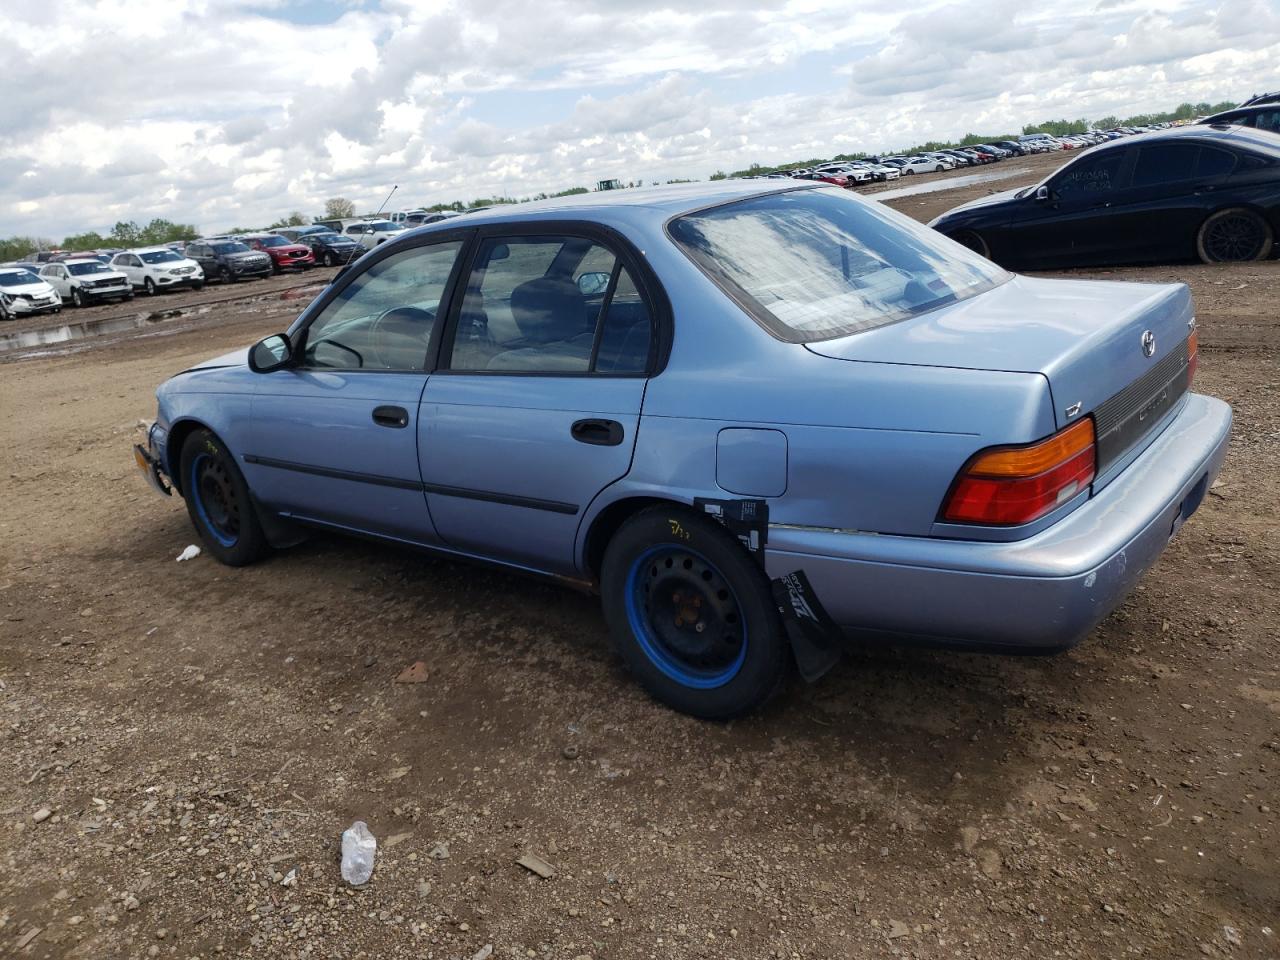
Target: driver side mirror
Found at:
272, 353
593, 284
1043, 193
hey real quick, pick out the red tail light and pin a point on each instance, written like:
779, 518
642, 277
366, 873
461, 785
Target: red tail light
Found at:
1006, 486
1193, 355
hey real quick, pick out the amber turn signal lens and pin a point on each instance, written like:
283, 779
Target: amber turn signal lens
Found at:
1193, 354
1034, 459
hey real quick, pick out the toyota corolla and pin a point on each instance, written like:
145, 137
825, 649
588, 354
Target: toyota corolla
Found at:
755, 417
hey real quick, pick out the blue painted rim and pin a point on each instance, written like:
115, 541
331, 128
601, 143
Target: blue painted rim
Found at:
218, 534
668, 661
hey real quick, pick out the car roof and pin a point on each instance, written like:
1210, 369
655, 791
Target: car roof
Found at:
80, 260
665, 201
162, 249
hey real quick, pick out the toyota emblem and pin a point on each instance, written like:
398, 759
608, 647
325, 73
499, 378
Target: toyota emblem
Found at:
1148, 343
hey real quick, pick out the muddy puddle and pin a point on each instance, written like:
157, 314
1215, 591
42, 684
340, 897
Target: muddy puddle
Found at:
951, 183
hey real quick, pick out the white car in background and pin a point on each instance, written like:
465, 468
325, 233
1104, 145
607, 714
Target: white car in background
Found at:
86, 282
370, 233
158, 268
881, 171
855, 173
23, 293
921, 165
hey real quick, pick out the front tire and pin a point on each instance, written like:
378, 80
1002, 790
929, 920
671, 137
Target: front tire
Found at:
149, 287
329, 260
974, 241
225, 275
692, 615
218, 501
1234, 235
78, 298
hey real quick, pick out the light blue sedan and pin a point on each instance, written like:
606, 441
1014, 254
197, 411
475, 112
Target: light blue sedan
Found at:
756, 417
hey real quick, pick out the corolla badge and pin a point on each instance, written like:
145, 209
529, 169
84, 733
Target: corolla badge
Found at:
1148, 343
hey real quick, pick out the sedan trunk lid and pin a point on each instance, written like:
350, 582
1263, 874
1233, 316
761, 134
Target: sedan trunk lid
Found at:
1111, 349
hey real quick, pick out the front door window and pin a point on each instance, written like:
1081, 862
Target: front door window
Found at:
384, 318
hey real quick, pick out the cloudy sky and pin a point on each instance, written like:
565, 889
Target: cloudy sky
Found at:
230, 112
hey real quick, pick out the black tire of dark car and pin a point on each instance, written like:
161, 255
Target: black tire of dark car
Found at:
1234, 235
692, 615
226, 276
197, 285
218, 501
149, 286
329, 260
973, 240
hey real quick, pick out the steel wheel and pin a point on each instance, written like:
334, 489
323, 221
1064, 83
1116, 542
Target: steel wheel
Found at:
1233, 236
215, 498
686, 617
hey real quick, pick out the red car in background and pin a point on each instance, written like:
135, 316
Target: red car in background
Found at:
284, 253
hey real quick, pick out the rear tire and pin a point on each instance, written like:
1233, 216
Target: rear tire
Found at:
218, 501
1234, 235
692, 614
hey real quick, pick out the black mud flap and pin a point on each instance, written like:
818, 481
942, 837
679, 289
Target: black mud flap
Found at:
280, 533
815, 638
748, 520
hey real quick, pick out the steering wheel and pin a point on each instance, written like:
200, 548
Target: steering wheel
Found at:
392, 328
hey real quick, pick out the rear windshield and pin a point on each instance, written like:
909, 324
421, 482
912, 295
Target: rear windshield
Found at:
815, 264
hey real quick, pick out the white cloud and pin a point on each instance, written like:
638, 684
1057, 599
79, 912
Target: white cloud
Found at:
223, 111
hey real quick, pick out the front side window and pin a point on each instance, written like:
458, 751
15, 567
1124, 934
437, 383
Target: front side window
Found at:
815, 264
551, 305
383, 319
1090, 176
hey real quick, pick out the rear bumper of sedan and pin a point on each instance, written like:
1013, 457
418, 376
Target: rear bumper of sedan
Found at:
1038, 595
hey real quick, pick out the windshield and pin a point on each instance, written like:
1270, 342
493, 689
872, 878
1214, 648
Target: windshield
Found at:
17, 278
816, 264
381, 226
159, 256
229, 248
331, 238
80, 269
274, 242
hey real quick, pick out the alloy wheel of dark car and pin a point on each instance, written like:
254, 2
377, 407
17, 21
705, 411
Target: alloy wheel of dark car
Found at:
1234, 235
692, 615
225, 275
329, 261
218, 501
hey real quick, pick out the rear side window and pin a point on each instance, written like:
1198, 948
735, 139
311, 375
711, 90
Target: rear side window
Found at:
815, 264
551, 305
1268, 120
1214, 162
1165, 163
1091, 175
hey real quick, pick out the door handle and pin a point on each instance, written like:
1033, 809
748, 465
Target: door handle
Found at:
602, 433
391, 416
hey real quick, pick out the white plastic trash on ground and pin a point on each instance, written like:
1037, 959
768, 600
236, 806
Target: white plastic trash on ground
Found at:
190, 553
358, 849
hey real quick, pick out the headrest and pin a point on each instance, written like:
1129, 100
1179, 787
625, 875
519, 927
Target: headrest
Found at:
549, 309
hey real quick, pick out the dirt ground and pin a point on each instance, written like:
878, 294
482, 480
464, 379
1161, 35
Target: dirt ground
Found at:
199, 736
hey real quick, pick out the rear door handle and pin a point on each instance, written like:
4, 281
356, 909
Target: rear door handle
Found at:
602, 433
391, 416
